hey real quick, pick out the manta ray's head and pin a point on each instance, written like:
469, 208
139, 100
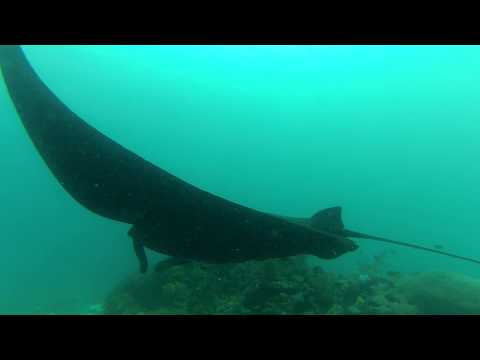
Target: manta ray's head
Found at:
343, 246
333, 247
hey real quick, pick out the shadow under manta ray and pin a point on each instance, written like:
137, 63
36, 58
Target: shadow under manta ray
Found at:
167, 214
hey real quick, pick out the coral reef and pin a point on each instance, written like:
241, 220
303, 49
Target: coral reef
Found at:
291, 286
442, 293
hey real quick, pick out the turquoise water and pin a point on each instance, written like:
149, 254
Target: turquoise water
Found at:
388, 132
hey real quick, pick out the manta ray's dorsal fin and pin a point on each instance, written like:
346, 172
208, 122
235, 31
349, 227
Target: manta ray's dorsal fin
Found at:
328, 220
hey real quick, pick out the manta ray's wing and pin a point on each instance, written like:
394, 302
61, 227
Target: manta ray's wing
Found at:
96, 171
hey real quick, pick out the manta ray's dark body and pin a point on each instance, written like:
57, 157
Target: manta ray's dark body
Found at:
167, 214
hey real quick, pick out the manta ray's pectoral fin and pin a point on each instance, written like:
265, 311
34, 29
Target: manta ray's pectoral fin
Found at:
141, 255
170, 262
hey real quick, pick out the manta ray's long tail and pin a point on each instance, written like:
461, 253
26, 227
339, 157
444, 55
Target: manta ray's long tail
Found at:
359, 235
330, 220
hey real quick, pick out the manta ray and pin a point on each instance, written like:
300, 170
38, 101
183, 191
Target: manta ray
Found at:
167, 215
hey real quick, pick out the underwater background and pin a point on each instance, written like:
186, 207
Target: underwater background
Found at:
390, 133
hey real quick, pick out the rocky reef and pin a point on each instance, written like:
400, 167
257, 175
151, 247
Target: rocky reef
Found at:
442, 293
291, 286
